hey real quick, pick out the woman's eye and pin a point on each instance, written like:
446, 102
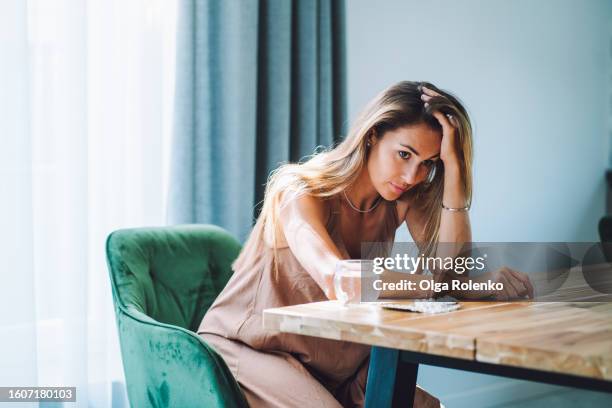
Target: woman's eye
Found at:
404, 155
428, 163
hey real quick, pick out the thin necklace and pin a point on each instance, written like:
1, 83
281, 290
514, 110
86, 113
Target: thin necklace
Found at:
357, 209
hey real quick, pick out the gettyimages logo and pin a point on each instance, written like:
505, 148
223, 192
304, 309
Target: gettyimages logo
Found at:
459, 264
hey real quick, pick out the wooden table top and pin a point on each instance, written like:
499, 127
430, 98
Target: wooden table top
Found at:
566, 337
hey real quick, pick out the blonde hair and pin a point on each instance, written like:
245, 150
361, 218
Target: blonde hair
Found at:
330, 171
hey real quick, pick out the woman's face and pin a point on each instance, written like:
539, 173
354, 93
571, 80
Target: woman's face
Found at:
402, 158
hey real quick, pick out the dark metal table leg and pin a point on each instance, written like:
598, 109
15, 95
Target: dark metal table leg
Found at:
391, 382
405, 384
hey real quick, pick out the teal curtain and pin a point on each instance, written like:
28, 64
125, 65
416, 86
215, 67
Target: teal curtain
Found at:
258, 83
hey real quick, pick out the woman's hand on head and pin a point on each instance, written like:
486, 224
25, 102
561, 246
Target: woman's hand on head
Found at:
448, 149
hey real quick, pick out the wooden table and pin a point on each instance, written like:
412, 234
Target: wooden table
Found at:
563, 343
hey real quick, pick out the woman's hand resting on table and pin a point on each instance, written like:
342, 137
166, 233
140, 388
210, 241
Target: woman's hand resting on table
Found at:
516, 285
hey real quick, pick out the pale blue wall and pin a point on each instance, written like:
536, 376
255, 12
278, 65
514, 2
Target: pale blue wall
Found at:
535, 77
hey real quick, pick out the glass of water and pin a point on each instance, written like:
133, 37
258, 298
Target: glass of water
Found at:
347, 280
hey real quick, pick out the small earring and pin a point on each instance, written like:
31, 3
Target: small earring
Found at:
368, 144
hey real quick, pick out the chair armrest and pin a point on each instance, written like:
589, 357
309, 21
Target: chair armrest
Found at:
168, 366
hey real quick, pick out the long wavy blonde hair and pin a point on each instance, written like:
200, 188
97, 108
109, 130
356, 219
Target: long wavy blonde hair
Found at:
329, 172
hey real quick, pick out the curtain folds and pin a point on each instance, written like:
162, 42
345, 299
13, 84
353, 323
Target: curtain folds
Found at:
258, 83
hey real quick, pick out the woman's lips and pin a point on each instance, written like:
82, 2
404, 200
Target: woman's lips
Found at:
397, 188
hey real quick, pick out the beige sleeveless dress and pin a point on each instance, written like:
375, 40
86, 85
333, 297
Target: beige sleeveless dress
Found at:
280, 369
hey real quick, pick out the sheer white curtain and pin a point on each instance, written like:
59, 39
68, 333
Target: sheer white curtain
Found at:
86, 100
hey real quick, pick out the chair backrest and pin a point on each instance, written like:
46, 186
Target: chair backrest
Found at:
172, 274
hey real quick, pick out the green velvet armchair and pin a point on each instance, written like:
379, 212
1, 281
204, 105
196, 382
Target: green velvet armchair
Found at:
163, 280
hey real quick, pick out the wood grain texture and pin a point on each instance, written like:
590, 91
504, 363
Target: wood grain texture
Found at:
373, 325
570, 338
567, 337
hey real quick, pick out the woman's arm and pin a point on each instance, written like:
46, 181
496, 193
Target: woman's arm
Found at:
455, 229
454, 225
303, 221
455, 232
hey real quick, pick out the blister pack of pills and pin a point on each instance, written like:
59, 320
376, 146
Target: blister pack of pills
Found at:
429, 306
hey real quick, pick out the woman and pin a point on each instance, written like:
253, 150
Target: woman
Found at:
408, 158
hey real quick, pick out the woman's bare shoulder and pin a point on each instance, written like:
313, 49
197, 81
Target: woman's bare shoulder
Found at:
303, 222
303, 208
307, 206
